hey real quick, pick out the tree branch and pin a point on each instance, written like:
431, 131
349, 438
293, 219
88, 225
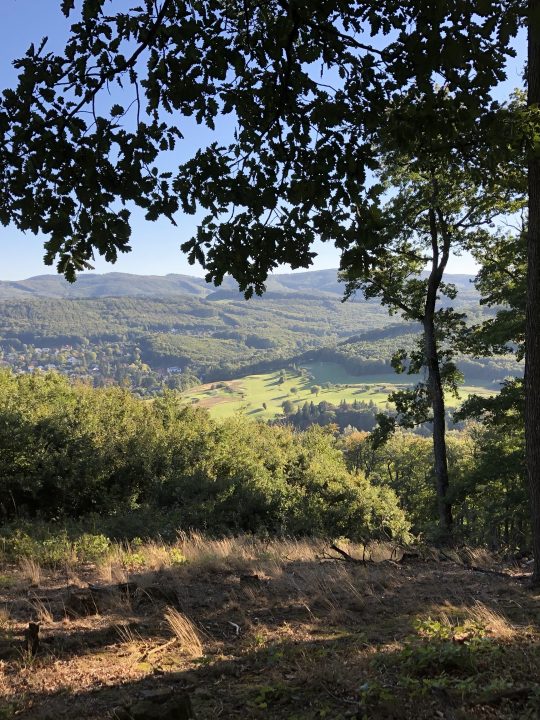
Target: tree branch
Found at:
393, 300
90, 94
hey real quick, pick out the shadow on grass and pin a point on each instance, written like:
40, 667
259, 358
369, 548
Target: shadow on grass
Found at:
303, 640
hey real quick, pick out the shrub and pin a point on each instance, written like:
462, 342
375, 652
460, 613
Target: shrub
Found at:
91, 548
128, 468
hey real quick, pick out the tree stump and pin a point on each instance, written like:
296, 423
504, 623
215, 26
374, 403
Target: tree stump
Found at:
31, 638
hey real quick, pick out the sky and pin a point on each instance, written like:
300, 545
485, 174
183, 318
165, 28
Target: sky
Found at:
155, 245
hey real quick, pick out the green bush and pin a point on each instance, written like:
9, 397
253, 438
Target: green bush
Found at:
52, 548
91, 548
125, 467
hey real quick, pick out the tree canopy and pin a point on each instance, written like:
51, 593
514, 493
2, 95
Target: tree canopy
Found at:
306, 86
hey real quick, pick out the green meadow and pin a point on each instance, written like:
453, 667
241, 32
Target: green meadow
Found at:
261, 396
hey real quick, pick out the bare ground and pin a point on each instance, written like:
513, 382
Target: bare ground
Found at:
274, 630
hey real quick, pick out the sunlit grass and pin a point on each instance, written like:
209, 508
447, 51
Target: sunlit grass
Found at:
261, 396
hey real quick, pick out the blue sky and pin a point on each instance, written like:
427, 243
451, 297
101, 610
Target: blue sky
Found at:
156, 246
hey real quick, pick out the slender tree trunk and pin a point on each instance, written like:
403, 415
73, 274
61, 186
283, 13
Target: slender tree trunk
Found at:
439, 429
439, 260
532, 359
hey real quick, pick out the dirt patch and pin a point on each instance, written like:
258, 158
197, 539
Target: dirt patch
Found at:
230, 390
212, 401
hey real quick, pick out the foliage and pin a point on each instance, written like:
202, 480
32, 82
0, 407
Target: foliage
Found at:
441, 648
357, 414
70, 451
501, 282
486, 467
129, 468
297, 161
493, 486
52, 549
496, 483
312, 107
426, 206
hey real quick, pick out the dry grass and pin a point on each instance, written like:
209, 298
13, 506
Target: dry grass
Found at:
42, 612
232, 554
157, 555
5, 619
478, 557
495, 624
240, 553
259, 628
126, 558
111, 570
31, 570
185, 632
130, 640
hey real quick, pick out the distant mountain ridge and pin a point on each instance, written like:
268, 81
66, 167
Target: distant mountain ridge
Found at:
117, 284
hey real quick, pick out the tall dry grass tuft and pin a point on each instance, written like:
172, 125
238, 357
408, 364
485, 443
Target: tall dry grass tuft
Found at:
332, 588
31, 570
42, 612
128, 636
5, 619
212, 554
156, 555
495, 624
477, 556
244, 552
131, 642
296, 550
111, 568
126, 558
110, 572
185, 632
197, 552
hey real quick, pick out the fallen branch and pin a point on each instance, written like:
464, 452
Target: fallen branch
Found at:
147, 654
345, 555
498, 573
486, 571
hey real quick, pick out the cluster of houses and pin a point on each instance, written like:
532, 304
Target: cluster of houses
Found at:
98, 364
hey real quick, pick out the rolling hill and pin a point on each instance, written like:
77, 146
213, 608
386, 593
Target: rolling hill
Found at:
114, 284
151, 332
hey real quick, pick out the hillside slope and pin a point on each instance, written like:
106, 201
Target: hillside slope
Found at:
134, 329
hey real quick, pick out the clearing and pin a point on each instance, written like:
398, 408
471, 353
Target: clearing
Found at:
254, 629
247, 394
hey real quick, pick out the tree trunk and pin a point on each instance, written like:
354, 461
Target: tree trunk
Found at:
439, 261
439, 430
532, 359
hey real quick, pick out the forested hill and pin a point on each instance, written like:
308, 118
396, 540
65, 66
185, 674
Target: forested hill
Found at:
148, 332
91, 285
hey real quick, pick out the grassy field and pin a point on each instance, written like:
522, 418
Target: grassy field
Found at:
241, 628
250, 394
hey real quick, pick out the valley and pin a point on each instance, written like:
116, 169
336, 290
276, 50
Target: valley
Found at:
297, 343
262, 396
